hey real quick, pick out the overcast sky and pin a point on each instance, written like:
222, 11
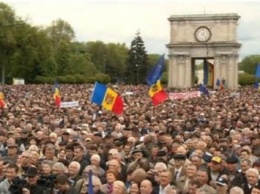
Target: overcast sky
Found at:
118, 21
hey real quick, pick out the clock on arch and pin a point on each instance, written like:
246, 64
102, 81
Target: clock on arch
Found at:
202, 34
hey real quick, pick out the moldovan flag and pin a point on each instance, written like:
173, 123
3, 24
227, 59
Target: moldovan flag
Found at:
2, 103
57, 95
157, 93
107, 98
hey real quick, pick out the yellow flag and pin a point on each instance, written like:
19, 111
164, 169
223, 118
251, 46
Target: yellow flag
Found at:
109, 99
155, 88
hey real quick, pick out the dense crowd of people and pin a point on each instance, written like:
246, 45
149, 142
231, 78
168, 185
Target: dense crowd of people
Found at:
202, 145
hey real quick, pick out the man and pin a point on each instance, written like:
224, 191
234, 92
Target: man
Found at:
252, 177
63, 184
222, 184
79, 157
165, 178
10, 173
25, 162
32, 180
146, 187
183, 182
73, 169
256, 189
179, 170
203, 178
12, 152
216, 170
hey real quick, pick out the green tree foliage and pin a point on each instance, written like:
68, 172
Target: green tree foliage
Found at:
246, 79
8, 24
137, 62
249, 63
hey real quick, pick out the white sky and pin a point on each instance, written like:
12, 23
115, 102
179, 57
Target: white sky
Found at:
119, 20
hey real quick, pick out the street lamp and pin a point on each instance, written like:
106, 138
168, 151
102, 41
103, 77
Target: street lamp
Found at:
104, 64
137, 73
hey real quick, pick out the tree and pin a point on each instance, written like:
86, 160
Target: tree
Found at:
249, 63
7, 46
137, 62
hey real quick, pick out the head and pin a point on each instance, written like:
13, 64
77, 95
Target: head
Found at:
146, 187
74, 168
119, 188
11, 171
62, 182
222, 184
252, 176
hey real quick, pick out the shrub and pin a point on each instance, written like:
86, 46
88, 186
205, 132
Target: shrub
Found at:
246, 79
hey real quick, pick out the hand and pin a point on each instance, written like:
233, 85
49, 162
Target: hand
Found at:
26, 191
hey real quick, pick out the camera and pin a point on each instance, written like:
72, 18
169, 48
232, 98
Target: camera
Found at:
47, 182
17, 185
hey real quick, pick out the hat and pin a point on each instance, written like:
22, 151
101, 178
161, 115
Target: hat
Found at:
84, 132
223, 140
2, 133
113, 151
216, 159
12, 145
161, 153
118, 142
127, 129
221, 181
62, 143
256, 163
232, 160
65, 133
25, 131
88, 139
179, 157
97, 134
31, 172
136, 150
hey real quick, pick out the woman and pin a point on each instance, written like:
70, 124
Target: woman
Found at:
111, 177
134, 188
119, 188
82, 185
47, 167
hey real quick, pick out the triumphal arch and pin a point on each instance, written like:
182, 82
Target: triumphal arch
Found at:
208, 37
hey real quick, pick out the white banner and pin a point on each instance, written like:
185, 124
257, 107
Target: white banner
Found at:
69, 104
184, 96
18, 81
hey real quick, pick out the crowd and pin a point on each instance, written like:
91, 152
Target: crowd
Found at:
204, 145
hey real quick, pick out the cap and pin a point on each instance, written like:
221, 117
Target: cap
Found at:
232, 160
216, 159
221, 181
179, 157
161, 153
31, 172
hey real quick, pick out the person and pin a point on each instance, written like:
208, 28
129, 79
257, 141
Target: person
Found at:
64, 185
32, 181
10, 174
236, 190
